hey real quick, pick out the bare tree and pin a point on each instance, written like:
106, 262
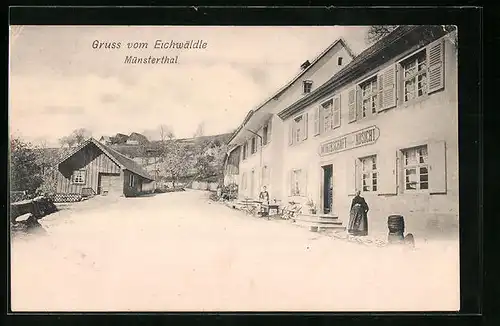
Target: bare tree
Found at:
377, 32
200, 130
77, 137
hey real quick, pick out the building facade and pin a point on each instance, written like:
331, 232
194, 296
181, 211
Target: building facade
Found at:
385, 124
259, 137
96, 168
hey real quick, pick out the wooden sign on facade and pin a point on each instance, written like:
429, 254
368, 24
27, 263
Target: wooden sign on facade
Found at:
352, 140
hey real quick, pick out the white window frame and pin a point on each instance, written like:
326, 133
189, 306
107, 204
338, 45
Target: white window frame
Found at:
307, 86
414, 76
370, 95
131, 180
324, 126
245, 150
421, 162
79, 177
265, 134
253, 145
297, 130
369, 174
295, 185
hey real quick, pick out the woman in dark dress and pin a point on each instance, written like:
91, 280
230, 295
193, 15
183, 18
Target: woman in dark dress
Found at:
358, 222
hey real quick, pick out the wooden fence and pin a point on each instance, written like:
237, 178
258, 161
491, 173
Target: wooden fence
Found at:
65, 198
202, 185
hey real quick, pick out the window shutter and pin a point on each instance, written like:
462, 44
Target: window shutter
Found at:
437, 167
358, 103
435, 64
351, 178
399, 172
317, 121
352, 104
388, 85
305, 124
387, 177
357, 175
303, 182
269, 130
290, 132
336, 111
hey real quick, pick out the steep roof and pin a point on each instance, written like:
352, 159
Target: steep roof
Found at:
403, 37
120, 159
291, 82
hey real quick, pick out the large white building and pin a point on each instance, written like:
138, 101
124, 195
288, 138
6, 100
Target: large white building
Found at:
384, 122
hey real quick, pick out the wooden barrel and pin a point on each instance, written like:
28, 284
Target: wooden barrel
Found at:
396, 224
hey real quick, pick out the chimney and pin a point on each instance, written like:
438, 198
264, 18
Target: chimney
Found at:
305, 65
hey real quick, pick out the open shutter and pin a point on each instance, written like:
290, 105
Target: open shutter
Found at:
357, 175
358, 102
400, 182
290, 132
435, 64
303, 182
351, 103
336, 112
305, 125
317, 120
387, 176
388, 93
437, 167
269, 130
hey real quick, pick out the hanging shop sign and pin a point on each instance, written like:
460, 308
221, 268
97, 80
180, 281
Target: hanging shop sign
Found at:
366, 136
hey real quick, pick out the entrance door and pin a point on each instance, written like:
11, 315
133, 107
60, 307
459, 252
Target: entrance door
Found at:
110, 184
327, 189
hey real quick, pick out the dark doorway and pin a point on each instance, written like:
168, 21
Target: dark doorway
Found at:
327, 189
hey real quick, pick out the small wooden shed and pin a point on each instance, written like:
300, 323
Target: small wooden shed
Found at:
98, 167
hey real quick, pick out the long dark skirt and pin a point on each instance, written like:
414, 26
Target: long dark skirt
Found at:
358, 222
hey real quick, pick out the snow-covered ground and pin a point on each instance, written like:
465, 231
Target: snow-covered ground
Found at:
181, 252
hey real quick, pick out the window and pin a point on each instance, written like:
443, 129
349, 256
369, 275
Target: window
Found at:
245, 150
296, 183
307, 86
264, 134
339, 61
415, 76
330, 115
369, 92
327, 109
79, 176
254, 145
131, 180
369, 173
298, 129
416, 169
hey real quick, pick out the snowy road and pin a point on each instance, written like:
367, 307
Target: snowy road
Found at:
180, 252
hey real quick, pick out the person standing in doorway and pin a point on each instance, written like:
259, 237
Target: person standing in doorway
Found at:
358, 222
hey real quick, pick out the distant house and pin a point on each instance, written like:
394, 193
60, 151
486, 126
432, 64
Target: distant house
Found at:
119, 139
137, 139
106, 140
96, 166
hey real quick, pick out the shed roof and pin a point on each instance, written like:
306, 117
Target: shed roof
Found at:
120, 159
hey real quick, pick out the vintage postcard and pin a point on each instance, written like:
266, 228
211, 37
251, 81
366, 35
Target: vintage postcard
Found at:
206, 168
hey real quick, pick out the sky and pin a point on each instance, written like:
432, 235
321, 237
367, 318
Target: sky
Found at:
58, 82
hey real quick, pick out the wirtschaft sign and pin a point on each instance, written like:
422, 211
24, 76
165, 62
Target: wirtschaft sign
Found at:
352, 140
